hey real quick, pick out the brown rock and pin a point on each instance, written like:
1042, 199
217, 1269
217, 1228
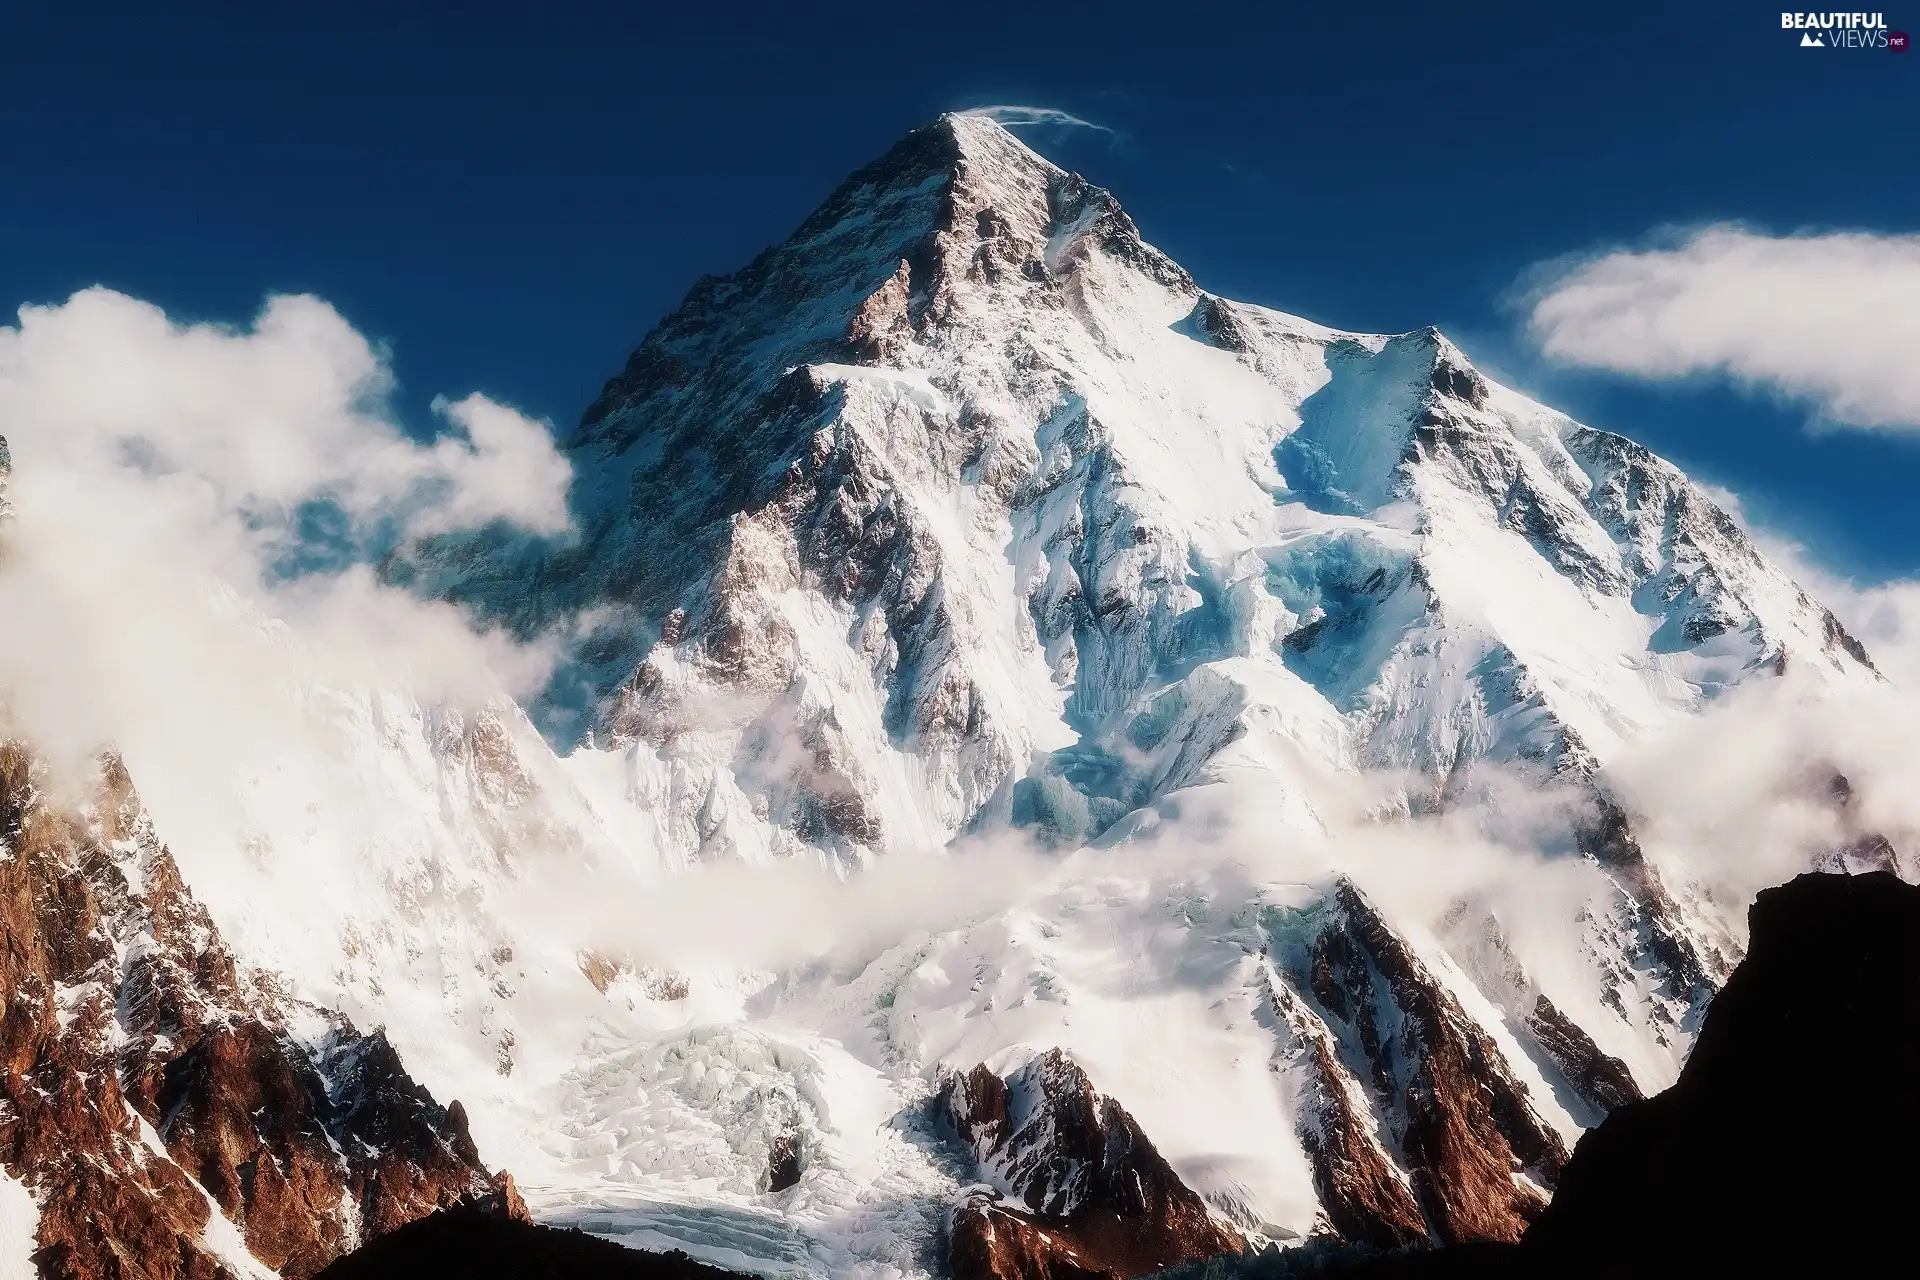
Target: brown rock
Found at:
1602, 1080
1366, 1197
987, 1239
1407, 1083
879, 326
599, 970
505, 1202
1091, 1195
1468, 1131
126, 1082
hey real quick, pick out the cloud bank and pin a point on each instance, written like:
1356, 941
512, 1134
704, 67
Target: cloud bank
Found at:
196, 509
1830, 320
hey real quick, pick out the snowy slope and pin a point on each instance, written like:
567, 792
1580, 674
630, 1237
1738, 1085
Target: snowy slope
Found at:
19, 1218
967, 513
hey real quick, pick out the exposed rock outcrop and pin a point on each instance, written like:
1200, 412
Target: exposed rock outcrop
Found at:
1860, 847
1692, 971
1364, 1194
1461, 1128
1597, 1080
1072, 1186
149, 1084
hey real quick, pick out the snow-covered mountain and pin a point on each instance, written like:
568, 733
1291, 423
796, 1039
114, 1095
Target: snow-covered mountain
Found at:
966, 382
1166, 651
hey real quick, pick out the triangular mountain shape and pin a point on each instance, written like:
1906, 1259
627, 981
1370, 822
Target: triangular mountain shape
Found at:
965, 516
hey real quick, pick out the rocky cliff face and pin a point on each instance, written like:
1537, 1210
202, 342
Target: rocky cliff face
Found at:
1420, 1109
1073, 1186
173, 1115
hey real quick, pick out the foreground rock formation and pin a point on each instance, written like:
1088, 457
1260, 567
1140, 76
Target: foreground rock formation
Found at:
1788, 1138
1071, 1186
172, 1115
475, 1243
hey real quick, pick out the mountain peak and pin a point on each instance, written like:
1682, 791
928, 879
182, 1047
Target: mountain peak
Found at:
953, 146
957, 200
982, 139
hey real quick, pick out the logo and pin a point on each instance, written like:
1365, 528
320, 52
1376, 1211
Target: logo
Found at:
1844, 31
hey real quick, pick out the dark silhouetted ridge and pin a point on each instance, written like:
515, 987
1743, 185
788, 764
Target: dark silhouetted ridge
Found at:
471, 1242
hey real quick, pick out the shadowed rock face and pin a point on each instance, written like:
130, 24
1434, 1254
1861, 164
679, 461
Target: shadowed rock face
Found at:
1601, 1079
1076, 1189
146, 1080
1689, 969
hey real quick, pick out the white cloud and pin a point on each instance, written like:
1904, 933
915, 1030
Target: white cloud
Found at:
1012, 116
506, 469
165, 477
1831, 320
290, 411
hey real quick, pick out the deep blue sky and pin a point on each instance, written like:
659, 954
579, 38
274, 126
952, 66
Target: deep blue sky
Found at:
511, 195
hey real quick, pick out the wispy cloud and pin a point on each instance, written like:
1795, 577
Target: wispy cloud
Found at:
1831, 320
1012, 116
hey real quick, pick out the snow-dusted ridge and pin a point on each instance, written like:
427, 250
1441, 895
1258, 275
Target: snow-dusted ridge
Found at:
966, 514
